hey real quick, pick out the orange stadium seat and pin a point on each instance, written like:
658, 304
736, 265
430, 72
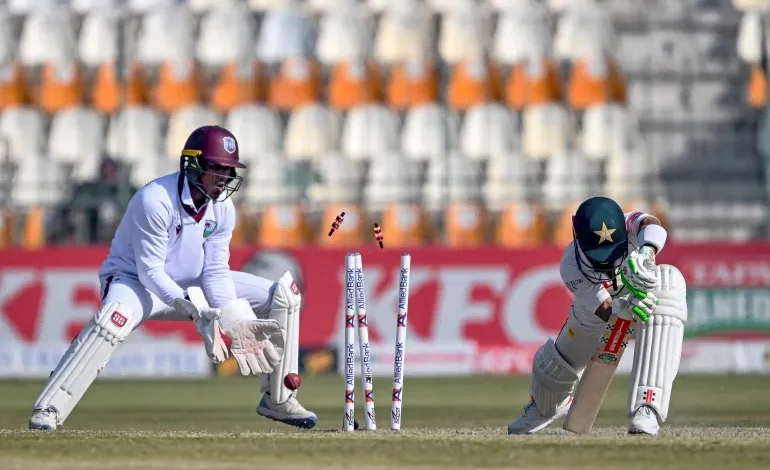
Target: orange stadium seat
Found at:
757, 87
283, 225
179, 85
562, 228
13, 86
239, 84
6, 228
34, 229
354, 83
587, 87
246, 227
473, 82
464, 224
412, 84
61, 86
350, 233
404, 225
108, 94
532, 84
521, 225
298, 83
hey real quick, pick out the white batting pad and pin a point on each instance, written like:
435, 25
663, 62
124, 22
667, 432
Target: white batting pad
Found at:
659, 345
85, 358
285, 310
552, 379
577, 340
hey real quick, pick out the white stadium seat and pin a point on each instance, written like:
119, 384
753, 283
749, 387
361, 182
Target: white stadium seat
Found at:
369, 131
145, 6
584, 30
522, 32
257, 128
135, 134
25, 7
312, 130
167, 33
285, 32
339, 180
604, 129
510, 179
263, 5
464, 33
98, 42
7, 39
393, 178
22, 129
424, 136
38, 182
455, 178
406, 30
627, 179
77, 139
266, 183
226, 35
181, 123
545, 130
47, 36
101, 6
203, 6
345, 33
489, 129
570, 177
750, 34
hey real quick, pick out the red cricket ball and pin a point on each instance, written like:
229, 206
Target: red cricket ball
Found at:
292, 381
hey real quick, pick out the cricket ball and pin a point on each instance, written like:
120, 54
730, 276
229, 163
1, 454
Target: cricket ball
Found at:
292, 381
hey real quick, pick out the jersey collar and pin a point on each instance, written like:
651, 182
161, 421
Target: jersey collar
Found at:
185, 198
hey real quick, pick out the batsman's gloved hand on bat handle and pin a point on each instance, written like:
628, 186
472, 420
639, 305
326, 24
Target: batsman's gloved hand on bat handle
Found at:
639, 276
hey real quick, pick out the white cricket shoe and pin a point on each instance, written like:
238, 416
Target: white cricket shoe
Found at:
532, 421
644, 421
44, 420
289, 412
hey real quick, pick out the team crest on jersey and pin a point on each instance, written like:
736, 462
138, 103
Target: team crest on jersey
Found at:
209, 228
229, 144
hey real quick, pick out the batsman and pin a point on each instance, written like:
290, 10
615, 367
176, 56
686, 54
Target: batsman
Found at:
175, 236
610, 268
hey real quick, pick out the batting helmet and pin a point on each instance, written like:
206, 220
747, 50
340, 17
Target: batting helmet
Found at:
211, 145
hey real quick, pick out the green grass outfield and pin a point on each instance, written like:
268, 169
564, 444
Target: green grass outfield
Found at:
715, 423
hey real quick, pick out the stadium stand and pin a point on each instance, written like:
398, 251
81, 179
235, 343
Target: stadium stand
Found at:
462, 122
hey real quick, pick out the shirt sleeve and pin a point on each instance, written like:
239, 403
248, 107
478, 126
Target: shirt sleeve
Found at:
586, 294
152, 221
216, 280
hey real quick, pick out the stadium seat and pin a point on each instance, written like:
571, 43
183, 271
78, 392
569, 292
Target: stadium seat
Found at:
353, 230
369, 131
511, 178
283, 226
23, 130
455, 178
523, 31
750, 44
747, 5
406, 30
38, 182
757, 88
61, 86
393, 178
298, 83
34, 228
7, 228
312, 131
464, 225
239, 83
98, 43
345, 33
424, 136
203, 6
182, 122
338, 180
135, 136
47, 36
77, 139
533, 81
413, 82
585, 28
473, 82
604, 129
521, 224
286, 32
8, 43
595, 80
146, 6
354, 83
257, 129
626, 179
489, 129
179, 85
109, 93
226, 35
88, 6
561, 235
404, 225
570, 176
464, 31
14, 90
545, 130
166, 34
266, 183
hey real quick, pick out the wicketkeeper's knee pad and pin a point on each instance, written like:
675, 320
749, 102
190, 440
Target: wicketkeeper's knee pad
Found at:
658, 348
85, 358
285, 309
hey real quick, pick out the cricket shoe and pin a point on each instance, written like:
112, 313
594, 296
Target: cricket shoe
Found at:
44, 420
289, 412
532, 421
644, 421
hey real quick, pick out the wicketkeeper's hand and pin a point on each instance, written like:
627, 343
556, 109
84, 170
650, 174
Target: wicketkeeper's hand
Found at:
206, 323
257, 345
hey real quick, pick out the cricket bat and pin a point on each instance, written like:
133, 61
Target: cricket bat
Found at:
597, 376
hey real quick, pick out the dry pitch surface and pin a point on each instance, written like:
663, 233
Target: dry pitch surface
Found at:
715, 423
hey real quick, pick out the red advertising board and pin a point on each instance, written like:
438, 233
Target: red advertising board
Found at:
504, 302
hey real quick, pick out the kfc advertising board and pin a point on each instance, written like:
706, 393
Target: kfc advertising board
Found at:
471, 311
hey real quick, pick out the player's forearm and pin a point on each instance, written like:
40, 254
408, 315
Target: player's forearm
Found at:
652, 234
159, 283
218, 286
